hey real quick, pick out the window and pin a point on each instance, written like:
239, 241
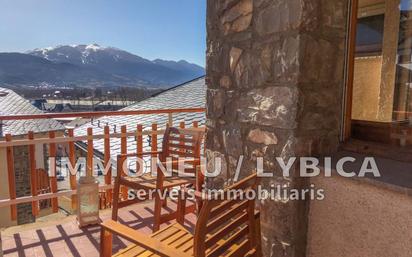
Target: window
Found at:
381, 87
369, 35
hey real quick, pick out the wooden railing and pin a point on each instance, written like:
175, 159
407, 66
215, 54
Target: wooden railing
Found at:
68, 138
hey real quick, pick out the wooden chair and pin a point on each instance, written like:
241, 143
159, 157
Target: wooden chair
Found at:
43, 187
177, 143
228, 227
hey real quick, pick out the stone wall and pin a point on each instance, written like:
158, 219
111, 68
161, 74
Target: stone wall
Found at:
23, 188
274, 77
22, 177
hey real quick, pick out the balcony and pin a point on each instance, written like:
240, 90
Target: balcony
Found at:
61, 236
53, 195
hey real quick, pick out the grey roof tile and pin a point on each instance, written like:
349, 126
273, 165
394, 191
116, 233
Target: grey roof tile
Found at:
189, 95
12, 104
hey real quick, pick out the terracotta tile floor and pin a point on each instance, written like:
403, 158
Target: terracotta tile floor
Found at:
62, 236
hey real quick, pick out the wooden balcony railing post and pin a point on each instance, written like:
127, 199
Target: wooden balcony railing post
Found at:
182, 126
200, 178
90, 152
154, 139
53, 175
52, 141
11, 177
196, 125
170, 119
72, 159
139, 145
123, 150
108, 176
154, 155
153, 143
33, 174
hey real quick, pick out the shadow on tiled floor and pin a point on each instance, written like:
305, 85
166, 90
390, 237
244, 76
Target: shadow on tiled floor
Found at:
66, 239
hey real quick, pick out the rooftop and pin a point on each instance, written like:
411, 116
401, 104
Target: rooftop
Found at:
12, 104
191, 94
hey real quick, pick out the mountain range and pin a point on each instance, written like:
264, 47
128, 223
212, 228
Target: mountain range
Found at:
92, 65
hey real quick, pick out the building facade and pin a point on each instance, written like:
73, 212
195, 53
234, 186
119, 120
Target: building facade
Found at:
13, 104
284, 80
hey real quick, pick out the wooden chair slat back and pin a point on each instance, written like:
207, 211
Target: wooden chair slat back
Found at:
228, 224
182, 143
43, 187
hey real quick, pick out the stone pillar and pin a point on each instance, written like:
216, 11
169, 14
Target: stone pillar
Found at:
23, 185
274, 78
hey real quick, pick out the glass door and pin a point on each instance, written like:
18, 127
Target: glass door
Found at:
380, 72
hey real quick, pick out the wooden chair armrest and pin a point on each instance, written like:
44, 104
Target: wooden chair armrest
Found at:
141, 239
198, 195
182, 161
196, 160
136, 154
176, 184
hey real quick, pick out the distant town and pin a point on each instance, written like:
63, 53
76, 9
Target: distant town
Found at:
54, 98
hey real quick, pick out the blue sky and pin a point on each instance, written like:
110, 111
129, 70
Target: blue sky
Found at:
406, 5
167, 29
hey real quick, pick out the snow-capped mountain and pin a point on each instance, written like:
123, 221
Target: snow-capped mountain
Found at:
96, 64
91, 54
